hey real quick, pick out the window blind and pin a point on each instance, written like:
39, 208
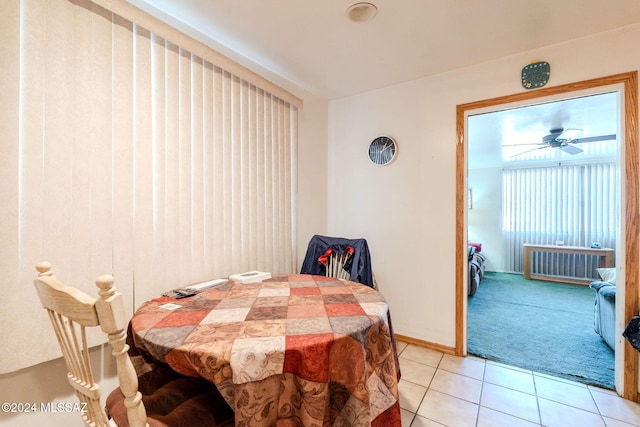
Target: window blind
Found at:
574, 204
127, 153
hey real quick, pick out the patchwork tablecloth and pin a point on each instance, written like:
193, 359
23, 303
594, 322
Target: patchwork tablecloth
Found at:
295, 350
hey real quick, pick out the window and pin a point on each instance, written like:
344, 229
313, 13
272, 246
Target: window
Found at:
131, 149
573, 204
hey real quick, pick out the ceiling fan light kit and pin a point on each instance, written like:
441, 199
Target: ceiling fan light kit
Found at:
564, 135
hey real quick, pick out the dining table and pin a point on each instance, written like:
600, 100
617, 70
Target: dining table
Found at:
292, 350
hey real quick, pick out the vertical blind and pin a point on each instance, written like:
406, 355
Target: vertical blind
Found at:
131, 155
575, 204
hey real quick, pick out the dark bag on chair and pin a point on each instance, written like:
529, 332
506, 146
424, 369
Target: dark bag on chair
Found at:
632, 332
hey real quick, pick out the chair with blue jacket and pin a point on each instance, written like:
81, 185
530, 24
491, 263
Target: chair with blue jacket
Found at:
339, 257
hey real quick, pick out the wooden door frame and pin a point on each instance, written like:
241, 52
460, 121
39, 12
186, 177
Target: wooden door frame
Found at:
629, 81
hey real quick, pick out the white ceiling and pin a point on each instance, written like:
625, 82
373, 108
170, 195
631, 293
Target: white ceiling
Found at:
314, 45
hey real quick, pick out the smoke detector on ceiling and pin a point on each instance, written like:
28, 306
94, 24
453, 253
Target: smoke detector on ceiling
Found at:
362, 12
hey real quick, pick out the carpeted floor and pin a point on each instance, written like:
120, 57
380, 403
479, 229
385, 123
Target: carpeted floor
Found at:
542, 326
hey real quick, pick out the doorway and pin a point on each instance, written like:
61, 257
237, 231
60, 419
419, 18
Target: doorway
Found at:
558, 159
626, 356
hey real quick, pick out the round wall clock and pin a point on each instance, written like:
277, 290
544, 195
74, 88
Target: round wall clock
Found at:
536, 74
382, 150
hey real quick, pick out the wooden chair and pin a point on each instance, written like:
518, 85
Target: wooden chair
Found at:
335, 265
170, 398
340, 258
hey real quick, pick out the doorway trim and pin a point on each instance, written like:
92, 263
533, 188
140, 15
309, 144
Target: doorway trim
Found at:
629, 82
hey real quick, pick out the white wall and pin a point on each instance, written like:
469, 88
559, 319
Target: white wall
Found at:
485, 218
407, 210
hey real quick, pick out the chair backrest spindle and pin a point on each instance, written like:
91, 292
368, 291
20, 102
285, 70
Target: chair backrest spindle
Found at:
335, 265
111, 313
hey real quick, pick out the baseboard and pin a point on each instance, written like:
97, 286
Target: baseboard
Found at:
426, 344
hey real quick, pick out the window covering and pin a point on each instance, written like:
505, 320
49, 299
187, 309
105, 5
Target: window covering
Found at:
574, 204
126, 152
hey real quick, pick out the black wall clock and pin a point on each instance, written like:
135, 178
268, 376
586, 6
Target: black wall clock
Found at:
536, 74
382, 150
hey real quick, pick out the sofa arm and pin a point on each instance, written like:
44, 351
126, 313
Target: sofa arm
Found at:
605, 311
598, 285
605, 290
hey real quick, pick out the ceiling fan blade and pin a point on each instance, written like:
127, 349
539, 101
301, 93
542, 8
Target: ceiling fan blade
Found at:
528, 151
571, 149
524, 145
593, 139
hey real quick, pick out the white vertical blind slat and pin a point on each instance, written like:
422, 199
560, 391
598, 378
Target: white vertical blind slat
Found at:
208, 185
245, 184
252, 152
122, 156
10, 167
219, 233
235, 142
30, 184
99, 141
57, 224
170, 112
280, 179
229, 205
293, 211
144, 242
198, 263
269, 170
260, 191
159, 154
184, 163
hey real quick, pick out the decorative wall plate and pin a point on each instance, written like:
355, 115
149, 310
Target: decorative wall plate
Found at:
536, 74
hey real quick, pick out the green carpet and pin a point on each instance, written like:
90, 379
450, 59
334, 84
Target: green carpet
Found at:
541, 326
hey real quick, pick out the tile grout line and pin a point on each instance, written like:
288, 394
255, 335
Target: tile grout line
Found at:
484, 372
535, 391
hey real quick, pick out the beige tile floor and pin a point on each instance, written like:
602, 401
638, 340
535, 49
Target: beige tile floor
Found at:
438, 389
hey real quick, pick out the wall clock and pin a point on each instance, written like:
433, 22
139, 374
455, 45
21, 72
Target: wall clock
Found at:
382, 150
535, 75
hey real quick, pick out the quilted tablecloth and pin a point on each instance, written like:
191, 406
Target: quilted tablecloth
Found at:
296, 350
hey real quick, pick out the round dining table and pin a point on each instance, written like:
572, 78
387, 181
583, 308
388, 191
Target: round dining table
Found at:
292, 350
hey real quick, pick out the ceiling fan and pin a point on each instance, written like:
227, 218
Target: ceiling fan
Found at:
563, 139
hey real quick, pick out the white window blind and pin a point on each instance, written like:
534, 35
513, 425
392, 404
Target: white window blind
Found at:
575, 204
126, 153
